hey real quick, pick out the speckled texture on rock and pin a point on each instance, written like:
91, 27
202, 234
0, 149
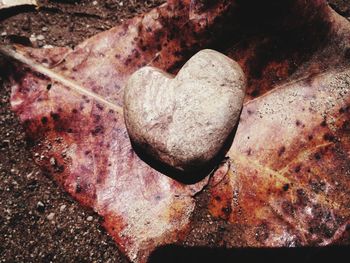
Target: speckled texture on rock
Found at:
185, 121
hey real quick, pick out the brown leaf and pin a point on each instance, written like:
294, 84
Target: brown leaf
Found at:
287, 179
289, 185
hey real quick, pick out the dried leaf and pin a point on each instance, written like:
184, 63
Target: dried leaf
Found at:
287, 179
11, 3
290, 182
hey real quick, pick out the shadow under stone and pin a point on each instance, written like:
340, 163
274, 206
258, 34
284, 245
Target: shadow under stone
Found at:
190, 176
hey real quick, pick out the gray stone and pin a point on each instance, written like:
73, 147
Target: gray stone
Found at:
184, 121
51, 216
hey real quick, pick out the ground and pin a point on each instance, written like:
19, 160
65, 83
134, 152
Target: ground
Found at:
39, 222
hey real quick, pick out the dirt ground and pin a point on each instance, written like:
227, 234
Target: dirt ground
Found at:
39, 222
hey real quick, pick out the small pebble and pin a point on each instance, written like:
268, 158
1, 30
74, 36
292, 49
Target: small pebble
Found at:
4, 33
48, 46
89, 218
29, 175
94, 2
44, 28
51, 216
62, 208
40, 37
53, 161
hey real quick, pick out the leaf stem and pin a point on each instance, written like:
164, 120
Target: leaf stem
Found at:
9, 52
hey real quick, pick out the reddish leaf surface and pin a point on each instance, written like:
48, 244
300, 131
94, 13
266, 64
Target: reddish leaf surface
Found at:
287, 179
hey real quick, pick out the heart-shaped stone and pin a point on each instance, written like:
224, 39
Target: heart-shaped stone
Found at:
184, 121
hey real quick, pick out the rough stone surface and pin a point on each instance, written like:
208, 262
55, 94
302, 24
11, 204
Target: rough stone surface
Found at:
184, 121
